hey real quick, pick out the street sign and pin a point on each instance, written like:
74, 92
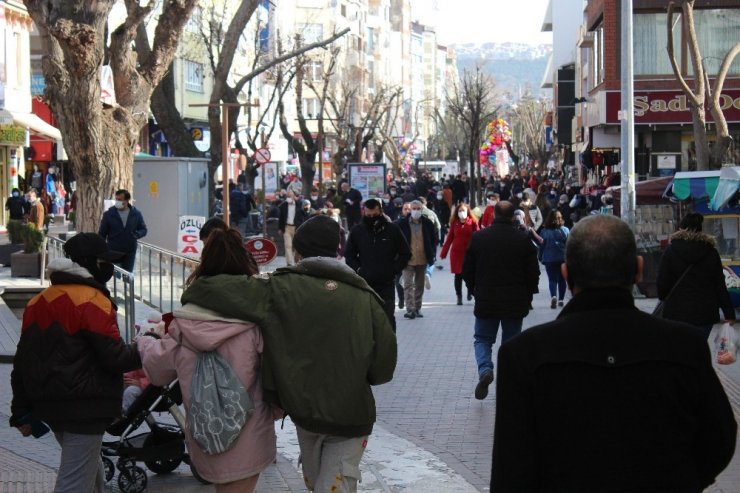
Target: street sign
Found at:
263, 250
262, 155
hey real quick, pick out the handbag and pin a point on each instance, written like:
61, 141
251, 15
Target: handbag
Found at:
658, 312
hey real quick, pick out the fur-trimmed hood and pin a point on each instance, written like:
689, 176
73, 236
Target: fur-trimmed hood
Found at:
686, 235
691, 246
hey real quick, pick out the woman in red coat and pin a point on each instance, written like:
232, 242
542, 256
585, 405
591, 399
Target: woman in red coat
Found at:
462, 226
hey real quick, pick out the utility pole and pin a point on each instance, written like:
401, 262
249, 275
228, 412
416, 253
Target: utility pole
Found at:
628, 202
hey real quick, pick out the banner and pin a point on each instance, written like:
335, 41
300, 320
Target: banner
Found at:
669, 107
368, 179
188, 236
268, 173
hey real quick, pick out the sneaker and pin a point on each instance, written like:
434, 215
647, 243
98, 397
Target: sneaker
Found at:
418, 314
427, 281
553, 302
409, 315
481, 390
560, 303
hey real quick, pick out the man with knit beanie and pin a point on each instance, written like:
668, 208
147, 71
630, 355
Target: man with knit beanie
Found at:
327, 340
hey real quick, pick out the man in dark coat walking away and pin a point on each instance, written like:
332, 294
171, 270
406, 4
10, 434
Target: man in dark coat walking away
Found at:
122, 226
378, 252
631, 399
501, 269
352, 200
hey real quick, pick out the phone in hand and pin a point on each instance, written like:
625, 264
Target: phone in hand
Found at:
38, 427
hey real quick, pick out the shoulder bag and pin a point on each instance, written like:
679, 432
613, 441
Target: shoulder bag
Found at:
660, 308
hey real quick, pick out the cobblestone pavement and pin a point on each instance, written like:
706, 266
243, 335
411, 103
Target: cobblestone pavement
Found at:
432, 435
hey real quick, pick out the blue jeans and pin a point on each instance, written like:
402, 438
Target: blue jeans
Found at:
486, 330
555, 279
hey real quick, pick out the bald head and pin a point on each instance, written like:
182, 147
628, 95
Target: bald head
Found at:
504, 211
601, 253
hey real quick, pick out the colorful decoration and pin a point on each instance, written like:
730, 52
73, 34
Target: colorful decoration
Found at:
407, 149
492, 152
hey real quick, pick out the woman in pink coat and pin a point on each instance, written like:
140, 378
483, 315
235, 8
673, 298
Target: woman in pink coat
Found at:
195, 329
462, 226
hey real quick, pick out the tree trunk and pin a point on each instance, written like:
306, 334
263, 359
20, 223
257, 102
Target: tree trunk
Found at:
169, 119
700, 138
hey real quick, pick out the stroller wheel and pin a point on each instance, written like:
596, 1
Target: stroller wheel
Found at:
163, 466
108, 468
197, 476
132, 480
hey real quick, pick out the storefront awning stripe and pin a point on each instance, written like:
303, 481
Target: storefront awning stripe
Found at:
36, 125
697, 188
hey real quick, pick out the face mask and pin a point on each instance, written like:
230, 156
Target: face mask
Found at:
290, 201
415, 215
519, 196
385, 201
119, 204
463, 215
314, 197
371, 221
393, 193
491, 202
440, 196
15, 194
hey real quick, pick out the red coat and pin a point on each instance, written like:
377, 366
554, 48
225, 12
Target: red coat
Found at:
488, 217
457, 243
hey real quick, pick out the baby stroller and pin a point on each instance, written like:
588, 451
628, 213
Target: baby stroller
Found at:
162, 449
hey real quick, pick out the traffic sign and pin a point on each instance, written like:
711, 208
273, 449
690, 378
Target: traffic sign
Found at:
262, 155
263, 250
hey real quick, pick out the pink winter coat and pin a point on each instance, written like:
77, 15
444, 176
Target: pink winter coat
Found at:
240, 343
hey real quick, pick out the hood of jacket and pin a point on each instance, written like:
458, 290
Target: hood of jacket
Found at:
201, 329
691, 246
327, 268
65, 271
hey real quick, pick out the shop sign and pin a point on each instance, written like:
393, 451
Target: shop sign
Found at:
669, 107
263, 250
188, 236
12, 134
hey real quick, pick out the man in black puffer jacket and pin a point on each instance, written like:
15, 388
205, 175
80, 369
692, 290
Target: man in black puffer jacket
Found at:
501, 268
68, 368
378, 252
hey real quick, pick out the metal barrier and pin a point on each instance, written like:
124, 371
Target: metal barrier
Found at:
161, 277
121, 286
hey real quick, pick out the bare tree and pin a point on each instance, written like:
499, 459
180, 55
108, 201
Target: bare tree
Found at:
528, 120
472, 104
703, 94
100, 138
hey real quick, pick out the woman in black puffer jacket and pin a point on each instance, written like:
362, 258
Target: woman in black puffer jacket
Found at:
702, 292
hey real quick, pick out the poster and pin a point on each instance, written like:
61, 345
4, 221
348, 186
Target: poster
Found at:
188, 236
268, 171
368, 179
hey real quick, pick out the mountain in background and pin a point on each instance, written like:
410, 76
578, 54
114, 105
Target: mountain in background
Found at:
515, 66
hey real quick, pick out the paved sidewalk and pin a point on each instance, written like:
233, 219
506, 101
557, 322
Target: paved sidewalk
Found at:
432, 435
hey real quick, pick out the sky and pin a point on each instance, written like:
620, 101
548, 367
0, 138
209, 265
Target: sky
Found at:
497, 21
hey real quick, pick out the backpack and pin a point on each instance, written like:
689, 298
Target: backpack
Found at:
219, 405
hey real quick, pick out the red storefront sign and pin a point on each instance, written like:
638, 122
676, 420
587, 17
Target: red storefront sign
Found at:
665, 107
263, 250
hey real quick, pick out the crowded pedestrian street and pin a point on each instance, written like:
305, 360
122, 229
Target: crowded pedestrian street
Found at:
432, 435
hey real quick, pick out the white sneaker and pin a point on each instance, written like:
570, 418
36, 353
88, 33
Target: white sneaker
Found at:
427, 281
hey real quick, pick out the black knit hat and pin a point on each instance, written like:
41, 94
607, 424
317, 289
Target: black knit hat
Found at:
317, 237
83, 245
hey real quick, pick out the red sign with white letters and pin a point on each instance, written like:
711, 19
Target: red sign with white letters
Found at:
656, 107
263, 250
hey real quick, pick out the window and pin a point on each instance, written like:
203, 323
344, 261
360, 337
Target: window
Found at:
310, 107
311, 33
371, 74
651, 38
194, 22
717, 32
598, 67
316, 71
193, 76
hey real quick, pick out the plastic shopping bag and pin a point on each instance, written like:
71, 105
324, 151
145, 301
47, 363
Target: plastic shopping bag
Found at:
726, 345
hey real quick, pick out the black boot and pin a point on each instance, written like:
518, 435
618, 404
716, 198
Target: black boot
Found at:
459, 300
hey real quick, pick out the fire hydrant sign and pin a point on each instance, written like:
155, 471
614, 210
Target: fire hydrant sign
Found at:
263, 250
188, 236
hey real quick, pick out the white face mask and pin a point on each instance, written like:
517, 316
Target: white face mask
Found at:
415, 215
491, 202
119, 204
463, 215
314, 197
440, 196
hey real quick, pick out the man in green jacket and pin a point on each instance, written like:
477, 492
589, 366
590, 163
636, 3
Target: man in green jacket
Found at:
327, 340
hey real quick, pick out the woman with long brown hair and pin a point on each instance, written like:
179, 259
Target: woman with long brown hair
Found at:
195, 330
462, 226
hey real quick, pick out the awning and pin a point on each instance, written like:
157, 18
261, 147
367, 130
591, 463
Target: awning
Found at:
36, 125
695, 184
729, 182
